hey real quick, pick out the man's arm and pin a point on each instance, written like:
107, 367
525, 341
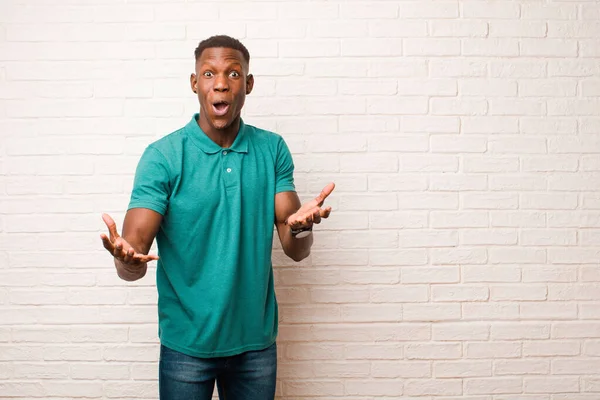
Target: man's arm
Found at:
130, 251
286, 204
289, 213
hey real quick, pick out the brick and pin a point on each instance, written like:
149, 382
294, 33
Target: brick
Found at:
590, 88
397, 105
491, 201
336, 29
418, 238
48, 371
520, 331
523, 182
521, 367
460, 331
371, 47
493, 385
550, 164
521, 293
568, 68
572, 367
362, 124
544, 273
578, 107
433, 351
431, 47
491, 311
380, 387
431, 312
517, 29
550, 385
588, 48
488, 237
434, 387
551, 348
462, 369
459, 293
428, 10
547, 88
399, 294
310, 48
430, 275
408, 257
433, 163
430, 124
343, 370
371, 313
543, 237
397, 220
409, 68
548, 126
490, 47
573, 219
551, 11
388, 29
461, 106
457, 68
487, 87
387, 183
400, 369
377, 352
548, 48
448, 219
364, 86
489, 125
548, 310
434, 201
458, 28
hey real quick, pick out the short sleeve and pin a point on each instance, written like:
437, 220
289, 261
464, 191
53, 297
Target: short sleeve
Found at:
284, 170
151, 183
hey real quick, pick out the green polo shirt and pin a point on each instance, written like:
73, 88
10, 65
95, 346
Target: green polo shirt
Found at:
214, 276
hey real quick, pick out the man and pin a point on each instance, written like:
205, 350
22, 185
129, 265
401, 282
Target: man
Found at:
210, 193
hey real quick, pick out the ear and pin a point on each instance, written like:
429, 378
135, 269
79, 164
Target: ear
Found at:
249, 83
193, 82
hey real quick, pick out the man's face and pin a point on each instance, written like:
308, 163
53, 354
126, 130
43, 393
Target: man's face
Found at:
221, 82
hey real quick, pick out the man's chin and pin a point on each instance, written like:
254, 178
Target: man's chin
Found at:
221, 124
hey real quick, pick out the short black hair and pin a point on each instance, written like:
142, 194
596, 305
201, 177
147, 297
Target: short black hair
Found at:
222, 41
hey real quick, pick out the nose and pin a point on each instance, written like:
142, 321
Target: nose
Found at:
221, 83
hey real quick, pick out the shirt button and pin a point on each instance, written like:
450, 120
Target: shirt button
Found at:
225, 153
228, 170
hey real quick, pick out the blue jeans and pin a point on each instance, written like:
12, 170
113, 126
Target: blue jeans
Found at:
247, 376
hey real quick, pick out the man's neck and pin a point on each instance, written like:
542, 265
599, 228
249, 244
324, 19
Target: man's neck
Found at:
222, 137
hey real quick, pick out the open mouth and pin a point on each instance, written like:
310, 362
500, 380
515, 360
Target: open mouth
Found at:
220, 108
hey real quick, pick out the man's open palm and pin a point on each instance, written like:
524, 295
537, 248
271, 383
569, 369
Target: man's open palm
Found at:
312, 212
119, 248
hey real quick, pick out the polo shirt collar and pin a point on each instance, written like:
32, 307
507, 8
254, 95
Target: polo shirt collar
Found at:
240, 144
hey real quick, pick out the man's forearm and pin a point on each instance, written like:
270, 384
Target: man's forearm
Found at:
297, 249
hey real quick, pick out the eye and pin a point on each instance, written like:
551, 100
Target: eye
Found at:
208, 74
234, 74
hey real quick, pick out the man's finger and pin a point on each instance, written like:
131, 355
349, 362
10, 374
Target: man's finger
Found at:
143, 258
128, 255
118, 253
325, 212
320, 199
111, 225
108, 245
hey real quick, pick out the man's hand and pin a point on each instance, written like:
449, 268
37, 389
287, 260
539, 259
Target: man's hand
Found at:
311, 212
120, 249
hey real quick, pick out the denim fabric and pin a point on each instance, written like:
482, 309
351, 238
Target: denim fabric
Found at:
247, 376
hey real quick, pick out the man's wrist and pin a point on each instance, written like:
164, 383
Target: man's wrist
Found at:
300, 233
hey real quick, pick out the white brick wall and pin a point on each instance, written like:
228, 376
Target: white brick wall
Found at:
461, 260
